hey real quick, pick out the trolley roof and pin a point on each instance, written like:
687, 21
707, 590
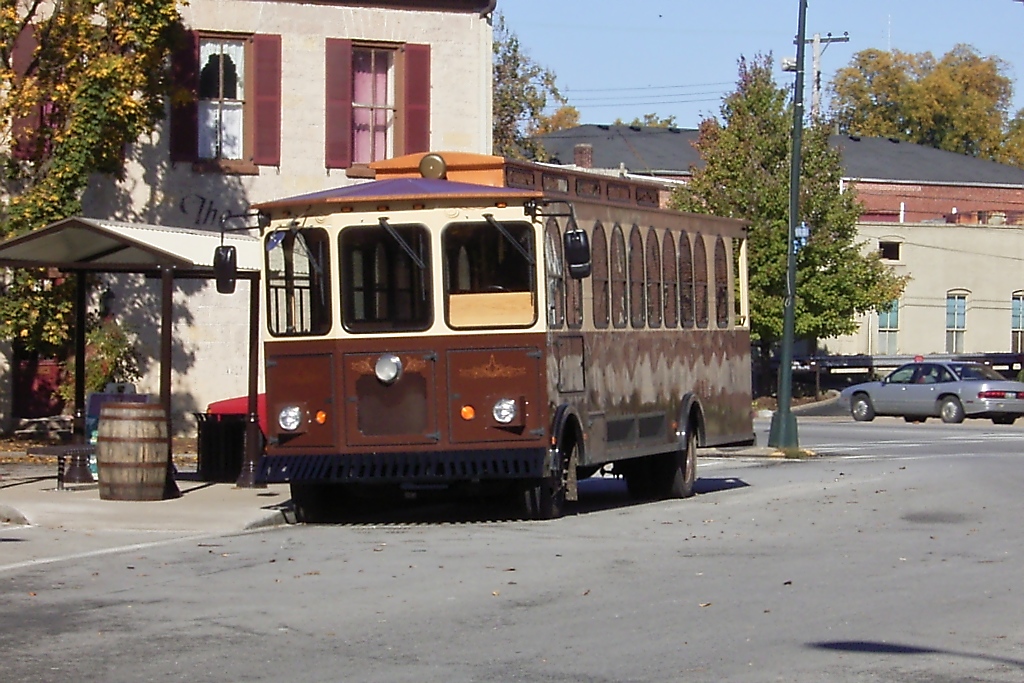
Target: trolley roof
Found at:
402, 189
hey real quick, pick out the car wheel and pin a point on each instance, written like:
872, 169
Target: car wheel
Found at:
861, 408
951, 410
1004, 419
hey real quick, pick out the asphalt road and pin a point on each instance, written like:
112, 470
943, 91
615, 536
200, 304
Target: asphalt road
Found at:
881, 565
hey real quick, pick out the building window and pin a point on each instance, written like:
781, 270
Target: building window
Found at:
1017, 322
890, 251
373, 104
956, 322
233, 120
221, 98
377, 101
888, 327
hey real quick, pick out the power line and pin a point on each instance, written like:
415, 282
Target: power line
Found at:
644, 97
654, 87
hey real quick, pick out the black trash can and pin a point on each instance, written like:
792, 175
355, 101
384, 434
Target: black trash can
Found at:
220, 446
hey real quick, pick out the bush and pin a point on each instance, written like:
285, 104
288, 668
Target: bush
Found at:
110, 356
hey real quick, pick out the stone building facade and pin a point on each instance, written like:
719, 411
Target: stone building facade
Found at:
288, 97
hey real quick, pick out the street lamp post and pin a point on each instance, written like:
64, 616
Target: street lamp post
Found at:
783, 432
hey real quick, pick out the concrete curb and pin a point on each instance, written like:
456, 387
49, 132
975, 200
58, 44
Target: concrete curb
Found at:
275, 518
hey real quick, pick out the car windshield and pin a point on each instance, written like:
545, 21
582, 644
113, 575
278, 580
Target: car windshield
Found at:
969, 372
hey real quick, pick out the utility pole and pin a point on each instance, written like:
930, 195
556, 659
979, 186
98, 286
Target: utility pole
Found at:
783, 432
819, 44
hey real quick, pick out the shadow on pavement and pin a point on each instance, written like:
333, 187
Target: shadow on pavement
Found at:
879, 648
596, 494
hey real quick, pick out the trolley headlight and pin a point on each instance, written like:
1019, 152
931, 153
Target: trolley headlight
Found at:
290, 418
505, 410
388, 368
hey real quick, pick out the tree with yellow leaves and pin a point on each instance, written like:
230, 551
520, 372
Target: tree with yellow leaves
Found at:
79, 81
959, 103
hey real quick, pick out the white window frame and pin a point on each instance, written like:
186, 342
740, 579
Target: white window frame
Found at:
222, 120
888, 329
956, 321
374, 109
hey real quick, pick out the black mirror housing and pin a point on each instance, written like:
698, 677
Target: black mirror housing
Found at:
225, 268
577, 253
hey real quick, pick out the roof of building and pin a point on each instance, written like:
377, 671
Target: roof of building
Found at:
641, 149
97, 245
670, 151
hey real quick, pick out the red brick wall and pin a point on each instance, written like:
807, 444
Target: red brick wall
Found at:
937, 202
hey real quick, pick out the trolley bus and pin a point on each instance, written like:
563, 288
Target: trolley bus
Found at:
470, 321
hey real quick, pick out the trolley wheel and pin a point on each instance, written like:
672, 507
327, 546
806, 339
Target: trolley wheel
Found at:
316, 503
681, 466
640, 477
545, 498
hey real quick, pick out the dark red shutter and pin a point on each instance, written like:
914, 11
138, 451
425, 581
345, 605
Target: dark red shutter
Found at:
267, 100
417, 98
23, 128
184, 125
338, 107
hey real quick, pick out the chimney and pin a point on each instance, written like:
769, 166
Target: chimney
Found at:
583, 155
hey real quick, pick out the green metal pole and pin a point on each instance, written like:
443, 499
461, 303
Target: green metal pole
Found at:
783, 433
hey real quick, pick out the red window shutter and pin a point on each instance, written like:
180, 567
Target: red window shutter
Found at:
23, 128
338, 107
184, 124
417, 98
267, 100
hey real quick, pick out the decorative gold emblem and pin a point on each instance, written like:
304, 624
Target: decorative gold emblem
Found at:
363, 366
493, 370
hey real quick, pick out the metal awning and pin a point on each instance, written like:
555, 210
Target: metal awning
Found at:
88, 245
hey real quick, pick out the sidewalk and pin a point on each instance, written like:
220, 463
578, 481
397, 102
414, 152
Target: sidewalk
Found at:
29, 495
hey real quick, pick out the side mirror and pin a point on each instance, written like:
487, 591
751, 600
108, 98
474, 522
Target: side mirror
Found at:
577, 253
225, 268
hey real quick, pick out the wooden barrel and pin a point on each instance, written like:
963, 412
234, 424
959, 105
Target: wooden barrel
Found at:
131, 451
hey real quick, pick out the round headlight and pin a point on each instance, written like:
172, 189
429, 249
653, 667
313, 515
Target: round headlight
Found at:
289, 418
505, 410
388, 368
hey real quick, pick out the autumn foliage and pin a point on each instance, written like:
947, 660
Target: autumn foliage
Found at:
80, 81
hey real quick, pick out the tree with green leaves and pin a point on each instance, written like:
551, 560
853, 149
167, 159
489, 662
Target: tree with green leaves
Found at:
959, 103
79, 80
745, 175
523, 89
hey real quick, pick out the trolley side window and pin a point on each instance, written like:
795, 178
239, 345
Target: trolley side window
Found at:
490, 274
298, 284
385, 278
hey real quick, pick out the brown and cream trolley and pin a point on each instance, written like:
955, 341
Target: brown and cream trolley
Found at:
470, 320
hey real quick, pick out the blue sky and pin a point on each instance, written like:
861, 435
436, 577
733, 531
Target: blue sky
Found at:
624, 59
